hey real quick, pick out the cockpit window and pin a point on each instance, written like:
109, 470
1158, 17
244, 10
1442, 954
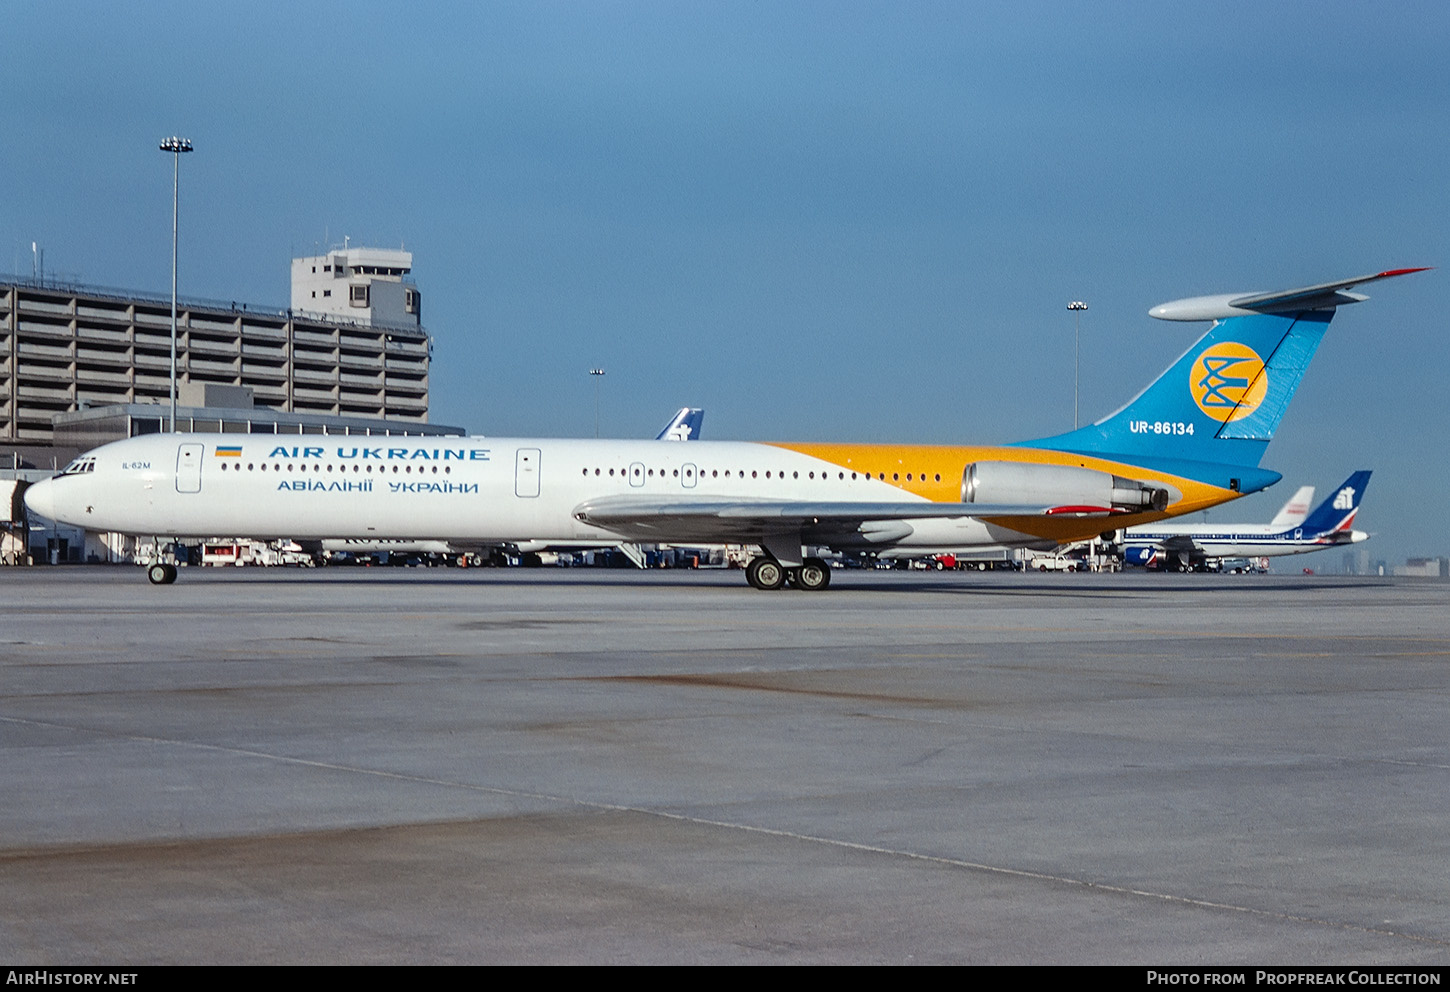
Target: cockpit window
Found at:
80, 467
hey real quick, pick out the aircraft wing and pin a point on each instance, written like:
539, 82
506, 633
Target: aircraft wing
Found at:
1178, 544
656, 518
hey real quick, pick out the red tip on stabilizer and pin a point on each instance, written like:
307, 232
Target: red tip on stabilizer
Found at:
1403, 272
1083, 510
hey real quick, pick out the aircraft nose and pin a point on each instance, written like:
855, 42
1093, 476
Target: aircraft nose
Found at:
40, 498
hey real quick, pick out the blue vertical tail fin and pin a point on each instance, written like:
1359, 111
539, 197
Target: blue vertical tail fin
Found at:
684, 425
1212, 414
1219, 403
1337, 513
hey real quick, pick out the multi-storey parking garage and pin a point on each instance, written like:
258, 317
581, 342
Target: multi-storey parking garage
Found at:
84, 365
63, 348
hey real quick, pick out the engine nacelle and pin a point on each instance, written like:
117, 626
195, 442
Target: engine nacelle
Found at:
1141, 554
1058, 485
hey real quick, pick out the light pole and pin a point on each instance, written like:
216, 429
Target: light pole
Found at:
175, 146
598, 375
1077, 307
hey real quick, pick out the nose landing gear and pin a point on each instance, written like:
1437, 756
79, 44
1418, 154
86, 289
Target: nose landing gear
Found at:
161, 574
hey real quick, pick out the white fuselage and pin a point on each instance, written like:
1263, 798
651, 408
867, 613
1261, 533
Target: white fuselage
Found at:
468, 490
1241, 540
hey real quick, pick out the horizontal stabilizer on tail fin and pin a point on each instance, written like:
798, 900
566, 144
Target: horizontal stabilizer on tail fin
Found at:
1324, 296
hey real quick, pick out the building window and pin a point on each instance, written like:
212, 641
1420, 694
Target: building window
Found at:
358, 296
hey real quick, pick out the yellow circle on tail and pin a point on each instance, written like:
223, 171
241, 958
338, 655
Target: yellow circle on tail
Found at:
1228, 381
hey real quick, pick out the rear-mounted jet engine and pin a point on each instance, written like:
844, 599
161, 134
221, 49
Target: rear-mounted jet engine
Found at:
1059, 485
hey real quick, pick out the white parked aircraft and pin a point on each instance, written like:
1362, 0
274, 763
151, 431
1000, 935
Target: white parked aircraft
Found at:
1184, 546
1193, 439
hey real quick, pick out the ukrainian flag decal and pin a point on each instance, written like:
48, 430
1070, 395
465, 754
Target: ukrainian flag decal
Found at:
229, 452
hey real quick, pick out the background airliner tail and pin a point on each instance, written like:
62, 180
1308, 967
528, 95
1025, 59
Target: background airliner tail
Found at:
1294, 512
684, 425
1336, 514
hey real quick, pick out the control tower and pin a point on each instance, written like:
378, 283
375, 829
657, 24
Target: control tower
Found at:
363, 285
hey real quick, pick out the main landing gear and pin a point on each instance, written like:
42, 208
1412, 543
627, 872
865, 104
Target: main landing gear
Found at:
161, 575
765, 572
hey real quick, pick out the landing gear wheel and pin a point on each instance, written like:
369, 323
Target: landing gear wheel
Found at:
765, 573
161, 575
813, 575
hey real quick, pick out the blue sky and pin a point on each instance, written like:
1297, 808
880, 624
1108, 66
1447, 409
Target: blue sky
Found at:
820, 221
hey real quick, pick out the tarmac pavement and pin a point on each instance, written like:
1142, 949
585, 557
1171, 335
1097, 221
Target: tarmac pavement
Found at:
589, 766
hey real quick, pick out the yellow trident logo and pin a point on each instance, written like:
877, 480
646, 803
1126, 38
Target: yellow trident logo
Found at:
1228, 381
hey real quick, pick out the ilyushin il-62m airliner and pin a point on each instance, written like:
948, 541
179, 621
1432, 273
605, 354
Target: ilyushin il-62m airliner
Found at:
1191, 440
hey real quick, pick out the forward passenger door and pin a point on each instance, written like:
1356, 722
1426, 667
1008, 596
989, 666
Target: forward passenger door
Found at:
526, 472
188, 468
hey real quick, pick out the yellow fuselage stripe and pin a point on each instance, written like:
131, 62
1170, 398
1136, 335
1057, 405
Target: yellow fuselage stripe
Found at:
935, 472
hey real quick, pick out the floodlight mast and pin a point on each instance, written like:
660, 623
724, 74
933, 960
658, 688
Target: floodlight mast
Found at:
598, 374
1077, 306
176, 146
